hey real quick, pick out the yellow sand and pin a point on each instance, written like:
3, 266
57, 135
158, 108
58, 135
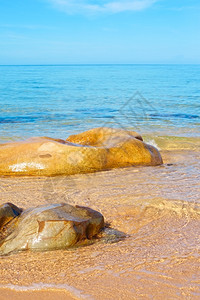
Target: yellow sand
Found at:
50, 294
157, 209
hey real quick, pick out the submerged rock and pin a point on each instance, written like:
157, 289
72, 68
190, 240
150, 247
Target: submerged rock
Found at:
57, 226
94, 150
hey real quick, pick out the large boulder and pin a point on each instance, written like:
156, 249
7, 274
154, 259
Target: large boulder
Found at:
123, 147
97, 149
57, 226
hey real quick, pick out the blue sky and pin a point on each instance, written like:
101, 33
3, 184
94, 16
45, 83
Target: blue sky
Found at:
104, 31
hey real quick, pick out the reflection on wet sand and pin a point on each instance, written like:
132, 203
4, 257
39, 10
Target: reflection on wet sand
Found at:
156, 207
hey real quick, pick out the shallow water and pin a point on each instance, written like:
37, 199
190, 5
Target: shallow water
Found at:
156, 209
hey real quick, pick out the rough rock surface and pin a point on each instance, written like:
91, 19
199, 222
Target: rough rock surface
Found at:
94, 150
57, 226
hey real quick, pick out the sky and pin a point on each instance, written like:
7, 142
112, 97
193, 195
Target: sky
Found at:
99, 32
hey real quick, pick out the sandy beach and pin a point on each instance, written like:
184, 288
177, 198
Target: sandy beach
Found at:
153, 211
50, 294
99, 150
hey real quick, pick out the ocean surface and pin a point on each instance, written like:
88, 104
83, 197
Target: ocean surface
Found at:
156, 209
60, 100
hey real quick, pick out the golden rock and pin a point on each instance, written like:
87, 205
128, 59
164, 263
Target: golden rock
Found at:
94, 150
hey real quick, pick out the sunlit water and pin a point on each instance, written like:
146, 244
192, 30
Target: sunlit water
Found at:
58, 100
156, 208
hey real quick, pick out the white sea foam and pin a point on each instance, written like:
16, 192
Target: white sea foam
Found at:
44, 286
24, 166
152, 143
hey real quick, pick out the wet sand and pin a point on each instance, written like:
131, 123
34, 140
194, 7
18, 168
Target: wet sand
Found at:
50, 294
157, 212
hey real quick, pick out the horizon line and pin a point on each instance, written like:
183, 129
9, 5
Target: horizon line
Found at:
95, 64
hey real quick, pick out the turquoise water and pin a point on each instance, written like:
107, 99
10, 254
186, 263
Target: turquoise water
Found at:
57, 101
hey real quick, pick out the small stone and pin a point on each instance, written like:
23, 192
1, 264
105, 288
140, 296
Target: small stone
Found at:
8, 211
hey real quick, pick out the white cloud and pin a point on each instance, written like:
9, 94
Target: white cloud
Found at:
101, 6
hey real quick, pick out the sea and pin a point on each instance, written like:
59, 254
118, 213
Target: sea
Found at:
59, 100
151, 212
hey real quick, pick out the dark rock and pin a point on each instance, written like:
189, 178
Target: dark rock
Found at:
57, 226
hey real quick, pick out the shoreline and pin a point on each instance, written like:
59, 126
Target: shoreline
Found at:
37, 294
157, 208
